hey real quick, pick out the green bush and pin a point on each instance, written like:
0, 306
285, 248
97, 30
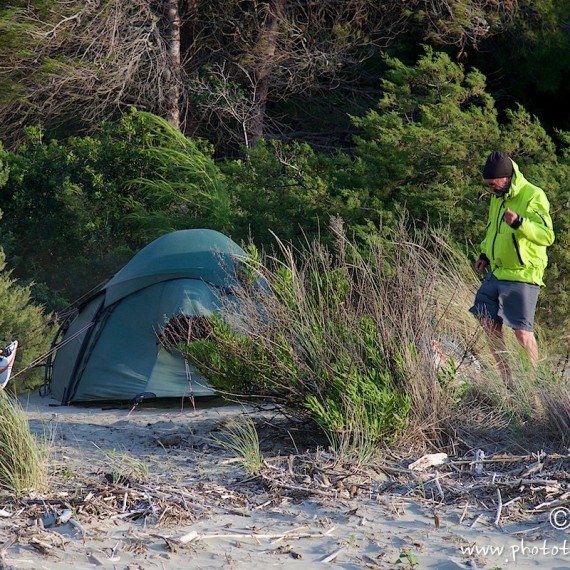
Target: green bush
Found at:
345, 334
4, 170
422, 149
73, 208
28, 323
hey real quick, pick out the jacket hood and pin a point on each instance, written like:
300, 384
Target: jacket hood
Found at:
517, 182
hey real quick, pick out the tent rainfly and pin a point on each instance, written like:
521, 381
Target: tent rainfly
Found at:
110, 349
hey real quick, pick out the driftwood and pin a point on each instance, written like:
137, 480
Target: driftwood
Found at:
498, 489
512, 487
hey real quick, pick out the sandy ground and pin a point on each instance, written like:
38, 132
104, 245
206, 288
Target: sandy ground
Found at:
188, 504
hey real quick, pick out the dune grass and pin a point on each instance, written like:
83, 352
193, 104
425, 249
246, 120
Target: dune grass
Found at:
23, 459
372, 338
240, 438
123, 468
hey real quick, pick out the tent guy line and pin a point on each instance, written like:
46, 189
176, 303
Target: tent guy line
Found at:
38, 360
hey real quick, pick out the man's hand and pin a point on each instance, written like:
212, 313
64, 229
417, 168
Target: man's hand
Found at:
481, 265
510, 217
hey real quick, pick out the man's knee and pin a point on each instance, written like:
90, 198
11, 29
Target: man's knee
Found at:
524, 336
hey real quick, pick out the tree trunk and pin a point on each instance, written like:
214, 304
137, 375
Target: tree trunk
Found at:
265, 56
172, 76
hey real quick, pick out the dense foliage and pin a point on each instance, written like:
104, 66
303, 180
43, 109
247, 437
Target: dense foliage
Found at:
76, 211
75, 207
94, 200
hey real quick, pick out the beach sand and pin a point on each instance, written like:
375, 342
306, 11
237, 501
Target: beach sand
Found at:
151, 489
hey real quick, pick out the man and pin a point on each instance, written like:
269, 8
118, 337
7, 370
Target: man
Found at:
513, 253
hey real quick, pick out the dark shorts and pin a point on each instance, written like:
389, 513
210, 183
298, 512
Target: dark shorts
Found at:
509, 302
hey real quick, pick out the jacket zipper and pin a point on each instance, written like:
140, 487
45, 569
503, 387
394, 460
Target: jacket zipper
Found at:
541, 217
517, 249
498, 225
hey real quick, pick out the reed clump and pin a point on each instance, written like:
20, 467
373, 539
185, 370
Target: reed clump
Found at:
23, 458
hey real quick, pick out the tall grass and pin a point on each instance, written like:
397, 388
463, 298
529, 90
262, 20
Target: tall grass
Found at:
556, 402
531, 395
124, 468
347, 331
370, 337
240, 438
23, 459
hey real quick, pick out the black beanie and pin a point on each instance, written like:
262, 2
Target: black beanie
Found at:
498, 165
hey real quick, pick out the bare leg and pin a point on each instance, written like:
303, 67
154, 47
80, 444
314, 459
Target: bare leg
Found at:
528, 342
494, 332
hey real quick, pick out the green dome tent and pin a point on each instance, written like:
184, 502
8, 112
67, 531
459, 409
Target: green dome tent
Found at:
110, 349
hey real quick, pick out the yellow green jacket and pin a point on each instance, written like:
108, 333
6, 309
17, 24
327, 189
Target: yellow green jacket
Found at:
519, 254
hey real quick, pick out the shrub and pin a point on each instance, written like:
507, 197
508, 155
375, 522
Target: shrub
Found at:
346, 333
22, 320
